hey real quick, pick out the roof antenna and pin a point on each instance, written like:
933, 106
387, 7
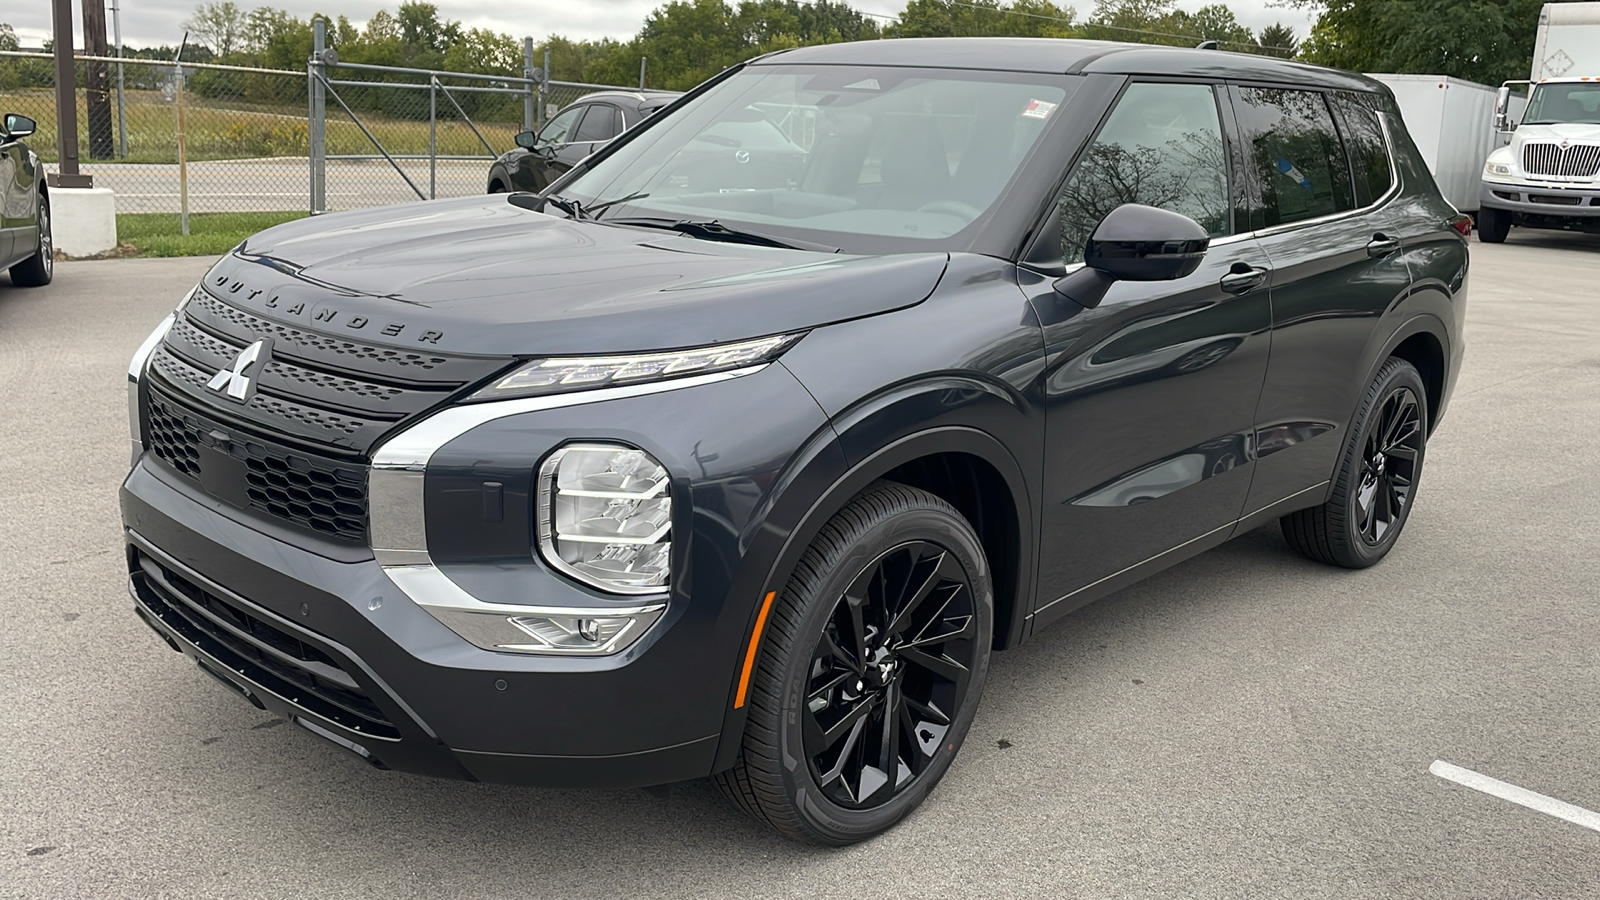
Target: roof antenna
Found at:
1207, 45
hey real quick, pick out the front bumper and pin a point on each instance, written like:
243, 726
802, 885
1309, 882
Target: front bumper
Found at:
1543, 205
334, 646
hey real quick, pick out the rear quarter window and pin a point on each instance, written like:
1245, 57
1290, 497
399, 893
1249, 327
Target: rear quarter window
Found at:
1368, 145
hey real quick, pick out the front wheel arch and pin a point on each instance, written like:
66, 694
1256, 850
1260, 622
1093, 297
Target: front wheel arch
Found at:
897, 456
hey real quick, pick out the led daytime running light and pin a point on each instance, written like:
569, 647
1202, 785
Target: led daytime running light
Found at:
561, 374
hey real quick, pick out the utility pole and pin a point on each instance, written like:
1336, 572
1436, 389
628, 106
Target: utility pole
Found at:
66, 100
122, 119
97, 82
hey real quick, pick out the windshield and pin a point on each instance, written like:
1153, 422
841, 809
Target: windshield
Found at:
841, 155
1554, 104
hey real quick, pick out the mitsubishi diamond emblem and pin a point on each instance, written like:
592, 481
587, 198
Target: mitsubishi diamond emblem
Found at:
236, 380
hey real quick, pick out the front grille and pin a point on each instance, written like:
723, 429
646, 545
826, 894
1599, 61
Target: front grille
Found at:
1555, 200
324, 495
1576, 161
250, 645
297, 448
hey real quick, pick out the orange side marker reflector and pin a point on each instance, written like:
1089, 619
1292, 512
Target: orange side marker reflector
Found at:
750, 654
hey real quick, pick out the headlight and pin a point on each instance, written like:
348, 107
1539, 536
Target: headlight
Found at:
605, 517
1495, 168
553, 376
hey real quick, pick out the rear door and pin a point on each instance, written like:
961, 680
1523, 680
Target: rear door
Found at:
1150, 397
1335, 241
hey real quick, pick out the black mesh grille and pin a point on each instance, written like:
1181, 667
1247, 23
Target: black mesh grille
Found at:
296, 449
174, 441
324, 495
257, 649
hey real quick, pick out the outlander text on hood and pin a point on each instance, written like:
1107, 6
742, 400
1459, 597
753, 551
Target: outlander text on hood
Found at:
739, 450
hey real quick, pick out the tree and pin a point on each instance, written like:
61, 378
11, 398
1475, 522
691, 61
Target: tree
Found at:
423, 30
1278, 40
221, 27
8, 37
981, 18
1481, 40
1217, 23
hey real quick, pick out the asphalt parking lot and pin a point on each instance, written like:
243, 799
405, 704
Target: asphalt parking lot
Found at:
1247, 724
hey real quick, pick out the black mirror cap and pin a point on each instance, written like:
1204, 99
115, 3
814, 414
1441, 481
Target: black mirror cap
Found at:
19, 126
526, 140
1141, 243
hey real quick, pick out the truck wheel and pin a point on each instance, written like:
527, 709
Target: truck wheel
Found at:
871, 664
1493, 225
1376, 484
38, 269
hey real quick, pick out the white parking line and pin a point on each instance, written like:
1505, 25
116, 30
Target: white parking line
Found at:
1494, 787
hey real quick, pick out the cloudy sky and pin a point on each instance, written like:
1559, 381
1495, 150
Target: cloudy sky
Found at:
147, 22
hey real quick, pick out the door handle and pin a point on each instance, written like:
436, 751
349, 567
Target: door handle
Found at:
1382, 245
1242, 278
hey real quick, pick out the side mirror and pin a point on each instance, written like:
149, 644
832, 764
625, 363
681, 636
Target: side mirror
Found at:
1502, 107
527, 140
19, 126
1135, 243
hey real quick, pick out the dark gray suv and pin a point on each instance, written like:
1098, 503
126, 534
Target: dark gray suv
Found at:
739, 450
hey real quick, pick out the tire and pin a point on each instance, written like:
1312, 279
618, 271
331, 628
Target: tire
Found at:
1376, 484
38, 269
804, 687
1493, 225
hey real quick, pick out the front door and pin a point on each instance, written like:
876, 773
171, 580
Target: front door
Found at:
1150, 397
11, 160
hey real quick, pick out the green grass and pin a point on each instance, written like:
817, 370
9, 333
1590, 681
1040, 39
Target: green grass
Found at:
210, 234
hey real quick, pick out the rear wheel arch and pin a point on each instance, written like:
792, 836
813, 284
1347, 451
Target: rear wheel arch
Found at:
1426, 352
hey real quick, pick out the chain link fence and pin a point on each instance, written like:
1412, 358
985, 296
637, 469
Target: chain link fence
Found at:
212, 138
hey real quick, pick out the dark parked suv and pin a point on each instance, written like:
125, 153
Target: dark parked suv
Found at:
25, 245
655, 477
570, 135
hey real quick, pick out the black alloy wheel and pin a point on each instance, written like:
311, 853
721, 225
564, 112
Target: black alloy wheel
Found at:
887, 674
869, 671
1375, 487
1388, 466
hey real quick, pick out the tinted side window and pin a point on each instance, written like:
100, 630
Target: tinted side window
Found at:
1297, 154
556, 130
1162, 146
602, 123
1369, 148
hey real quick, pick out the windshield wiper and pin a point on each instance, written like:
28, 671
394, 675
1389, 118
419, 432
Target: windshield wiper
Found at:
712, 230
576, 210
598, 208
572, 208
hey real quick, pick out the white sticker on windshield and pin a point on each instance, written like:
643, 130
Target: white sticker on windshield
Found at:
1039, 109
868, 84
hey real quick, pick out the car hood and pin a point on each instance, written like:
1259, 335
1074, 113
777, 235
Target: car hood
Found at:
480, 275
1570, 131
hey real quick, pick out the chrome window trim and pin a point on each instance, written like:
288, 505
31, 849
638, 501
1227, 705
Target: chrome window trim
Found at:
1390, 194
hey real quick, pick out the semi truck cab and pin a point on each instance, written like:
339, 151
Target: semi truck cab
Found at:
1548, 176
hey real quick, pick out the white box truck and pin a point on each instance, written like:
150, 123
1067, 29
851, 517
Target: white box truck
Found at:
1548, 176
1452, 122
